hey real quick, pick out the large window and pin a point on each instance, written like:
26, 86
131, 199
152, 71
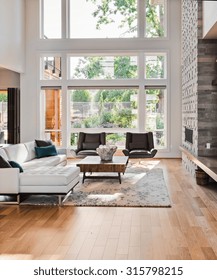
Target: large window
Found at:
103, 19
110, 74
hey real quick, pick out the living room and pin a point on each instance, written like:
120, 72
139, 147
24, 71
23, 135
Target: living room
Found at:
36, 37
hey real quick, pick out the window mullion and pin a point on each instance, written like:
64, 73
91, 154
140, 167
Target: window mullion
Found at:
141, 18
141, 96
64, 18
42, 19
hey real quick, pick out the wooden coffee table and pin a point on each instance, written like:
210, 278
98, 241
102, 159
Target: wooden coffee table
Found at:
94, 164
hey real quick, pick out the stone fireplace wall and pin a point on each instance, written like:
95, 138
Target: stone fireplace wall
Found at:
189, 77
199, 95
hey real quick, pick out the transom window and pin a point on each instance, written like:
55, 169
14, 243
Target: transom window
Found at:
103, 67
103, 19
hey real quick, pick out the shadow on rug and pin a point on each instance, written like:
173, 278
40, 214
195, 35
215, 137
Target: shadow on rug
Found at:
140, 187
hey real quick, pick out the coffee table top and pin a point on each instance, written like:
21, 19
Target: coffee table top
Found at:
96, 160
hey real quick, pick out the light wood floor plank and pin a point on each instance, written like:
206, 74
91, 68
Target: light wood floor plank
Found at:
187, 230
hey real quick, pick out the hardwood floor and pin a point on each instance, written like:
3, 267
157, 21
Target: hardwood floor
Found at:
187, 230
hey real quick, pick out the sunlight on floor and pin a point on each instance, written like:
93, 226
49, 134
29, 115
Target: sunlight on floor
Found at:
16, 257
149, 164
106, 197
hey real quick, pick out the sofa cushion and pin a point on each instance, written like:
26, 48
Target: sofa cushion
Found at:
15, 164
30, 146
43, 143
4, 163
50, 176
45, 151
17, 152
45, 161
3, 154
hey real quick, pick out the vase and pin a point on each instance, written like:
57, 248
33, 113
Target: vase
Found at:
106, 152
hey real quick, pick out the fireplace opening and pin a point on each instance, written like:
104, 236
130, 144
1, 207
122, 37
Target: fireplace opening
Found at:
189, 135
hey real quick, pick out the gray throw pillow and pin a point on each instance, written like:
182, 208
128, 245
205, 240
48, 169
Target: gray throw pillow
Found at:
43, 143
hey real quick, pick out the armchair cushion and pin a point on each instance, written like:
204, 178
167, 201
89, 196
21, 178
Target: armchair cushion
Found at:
90, 146
92, 138
138, 146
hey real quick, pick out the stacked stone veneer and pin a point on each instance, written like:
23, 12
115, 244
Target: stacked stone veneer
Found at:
199, 96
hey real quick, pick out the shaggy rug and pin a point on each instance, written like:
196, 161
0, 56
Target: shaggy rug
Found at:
140, 187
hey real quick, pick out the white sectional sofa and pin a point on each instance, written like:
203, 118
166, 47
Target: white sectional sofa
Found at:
46, 175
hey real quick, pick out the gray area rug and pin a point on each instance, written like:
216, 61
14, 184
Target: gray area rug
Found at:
140, 187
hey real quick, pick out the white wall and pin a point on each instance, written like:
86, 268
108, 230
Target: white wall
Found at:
9, 78
12, 34
30, 115
210, 19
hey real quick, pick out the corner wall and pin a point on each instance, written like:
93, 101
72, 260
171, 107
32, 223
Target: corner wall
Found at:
12, 34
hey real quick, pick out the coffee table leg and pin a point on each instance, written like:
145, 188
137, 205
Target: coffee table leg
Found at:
83, 177
119, 177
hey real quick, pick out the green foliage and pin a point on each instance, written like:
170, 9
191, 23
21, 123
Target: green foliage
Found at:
89, 68
123, 118
81, 96
159, 121
123, 68
3, 97
154, 27
113, 138
114, 95
74, 138
92, 121
105, 9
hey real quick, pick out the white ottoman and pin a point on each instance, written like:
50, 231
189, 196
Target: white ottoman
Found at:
58, 180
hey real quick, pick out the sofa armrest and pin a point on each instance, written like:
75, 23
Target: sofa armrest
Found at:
9, 180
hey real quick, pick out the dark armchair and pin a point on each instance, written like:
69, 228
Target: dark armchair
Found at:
88, 142
139, 145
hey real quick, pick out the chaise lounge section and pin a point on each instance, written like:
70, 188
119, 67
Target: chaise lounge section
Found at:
41, 175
